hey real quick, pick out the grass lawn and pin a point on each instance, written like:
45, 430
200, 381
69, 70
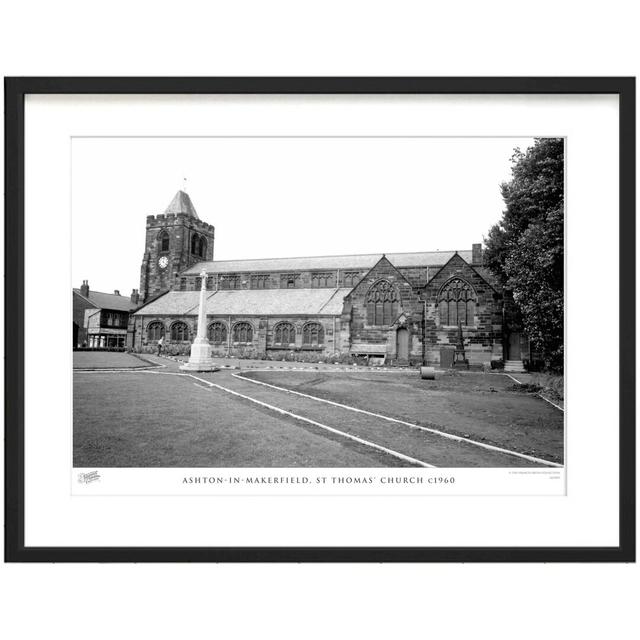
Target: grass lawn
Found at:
147, 419
107, 360
480, 406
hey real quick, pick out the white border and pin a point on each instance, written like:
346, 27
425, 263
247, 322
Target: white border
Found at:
587, 516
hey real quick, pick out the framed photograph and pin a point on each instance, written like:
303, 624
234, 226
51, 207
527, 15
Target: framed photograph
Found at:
320, 319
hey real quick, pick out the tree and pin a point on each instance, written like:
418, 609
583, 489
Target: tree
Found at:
525, 250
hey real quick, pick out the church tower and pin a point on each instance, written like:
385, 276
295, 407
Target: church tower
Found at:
175, 240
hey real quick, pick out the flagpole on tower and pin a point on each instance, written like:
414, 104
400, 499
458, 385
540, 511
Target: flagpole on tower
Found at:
184, 185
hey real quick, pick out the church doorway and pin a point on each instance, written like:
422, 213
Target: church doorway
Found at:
514, 346
402, 344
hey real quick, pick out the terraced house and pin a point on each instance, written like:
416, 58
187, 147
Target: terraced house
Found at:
396, 307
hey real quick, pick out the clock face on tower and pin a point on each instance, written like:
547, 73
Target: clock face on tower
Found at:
163, 262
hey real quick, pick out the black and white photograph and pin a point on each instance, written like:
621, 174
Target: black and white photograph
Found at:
318, 302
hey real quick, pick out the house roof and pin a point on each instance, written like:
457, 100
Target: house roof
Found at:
250, 302
108, 300
364, 261
181, 203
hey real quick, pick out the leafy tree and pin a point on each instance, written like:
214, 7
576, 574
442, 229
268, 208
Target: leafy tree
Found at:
525, 249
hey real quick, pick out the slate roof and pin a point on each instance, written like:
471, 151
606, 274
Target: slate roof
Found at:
108, 300
250, 302
364, 261
172, 303
181, 203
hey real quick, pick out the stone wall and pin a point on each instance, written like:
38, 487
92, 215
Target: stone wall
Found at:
408, 314
351, 331
483, 338
263, 329
180, 227
298, 279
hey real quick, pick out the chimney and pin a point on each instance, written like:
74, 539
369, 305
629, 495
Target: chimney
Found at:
135, 297
116, 292
84, 289
476, 254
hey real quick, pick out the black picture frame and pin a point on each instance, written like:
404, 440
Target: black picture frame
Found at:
15, 91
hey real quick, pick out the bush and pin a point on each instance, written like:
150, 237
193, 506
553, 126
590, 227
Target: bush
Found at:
313, 357
552, 384
167, 349
497, 364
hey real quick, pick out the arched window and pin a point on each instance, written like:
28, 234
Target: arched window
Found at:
457, 303
284, 334
217, 333
195, 243
155, 331
382, 303
163, 241
242, 332
179, 332
312, 334
202, 249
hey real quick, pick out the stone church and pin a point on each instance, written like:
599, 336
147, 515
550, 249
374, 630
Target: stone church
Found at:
402, 308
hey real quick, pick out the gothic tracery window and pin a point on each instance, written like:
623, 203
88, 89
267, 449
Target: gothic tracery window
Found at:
179, 332
260, 281
217, 333
289, 280
284, 334
155, 330
322, 279
457, 303
229, 281
202, 247
382, 303
312, 334
242, 332
350, 278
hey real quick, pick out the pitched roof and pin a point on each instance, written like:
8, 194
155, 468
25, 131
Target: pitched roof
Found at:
181, 203
108, 300
171, 303
364, 261
251, 302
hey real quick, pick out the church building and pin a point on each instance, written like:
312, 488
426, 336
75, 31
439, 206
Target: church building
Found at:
397, 308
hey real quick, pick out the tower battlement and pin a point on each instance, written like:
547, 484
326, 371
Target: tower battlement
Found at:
174, 241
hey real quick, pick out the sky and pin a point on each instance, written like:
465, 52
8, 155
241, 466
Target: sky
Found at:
282, 197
